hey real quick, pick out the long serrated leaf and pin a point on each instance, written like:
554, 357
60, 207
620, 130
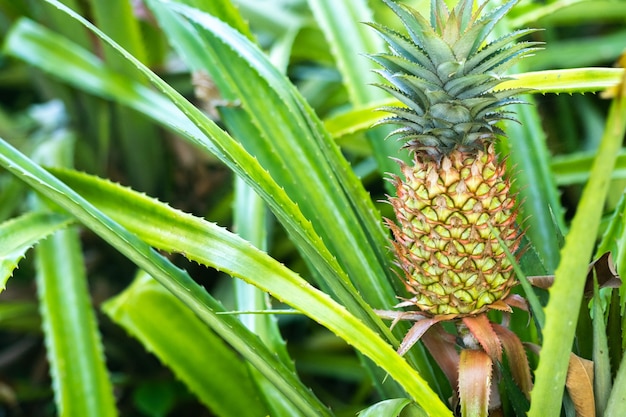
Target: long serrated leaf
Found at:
47, 48
574, 168
171, 277
243, 164
73, 342
475, 369
21, 233
206, 243
294, 147
601, 362
81, 383
198, 357
310, 168
577, 80
529, 162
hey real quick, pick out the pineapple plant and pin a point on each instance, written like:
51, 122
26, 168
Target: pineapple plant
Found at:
455, 199
455, 209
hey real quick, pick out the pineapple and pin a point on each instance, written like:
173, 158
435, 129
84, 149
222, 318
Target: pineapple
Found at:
454, 201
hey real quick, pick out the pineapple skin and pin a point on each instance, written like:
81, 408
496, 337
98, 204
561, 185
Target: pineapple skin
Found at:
449, 213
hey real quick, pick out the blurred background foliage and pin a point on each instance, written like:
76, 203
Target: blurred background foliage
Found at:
115, 142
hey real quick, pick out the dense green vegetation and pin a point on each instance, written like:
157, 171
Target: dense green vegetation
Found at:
171, 174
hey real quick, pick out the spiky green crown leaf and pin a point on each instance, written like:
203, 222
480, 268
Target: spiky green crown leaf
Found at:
445, 74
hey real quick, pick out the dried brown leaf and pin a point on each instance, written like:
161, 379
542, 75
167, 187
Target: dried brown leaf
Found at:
541, 281
517, 301
501, 305
603, 267
606, 274
579, 384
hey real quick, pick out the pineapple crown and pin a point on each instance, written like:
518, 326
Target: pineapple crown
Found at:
444, 73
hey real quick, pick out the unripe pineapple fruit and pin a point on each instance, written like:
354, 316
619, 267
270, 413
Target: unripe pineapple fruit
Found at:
451, 259
454, 202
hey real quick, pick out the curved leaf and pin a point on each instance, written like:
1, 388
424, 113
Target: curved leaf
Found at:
475, 373
567, 292
43, 49
386, 408
208, 244
291, 144
171, 277
81, 383
201, 359
22, 233
364, 231
577, 80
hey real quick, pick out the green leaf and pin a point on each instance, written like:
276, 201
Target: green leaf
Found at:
200, 358
208, 244
292, 145
44, 49
22, 233
301, 157
542, 11
174, 279
116, 18
577, 80
601, 362
616, 405
574, 168
529, 161
251, 223
248, 167
133, 131
386, 408
567, 291
80, 379
350, 41
357, 119
580, 51
81, 383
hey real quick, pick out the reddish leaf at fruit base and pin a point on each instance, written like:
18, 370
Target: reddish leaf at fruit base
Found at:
516, 355
475, 368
